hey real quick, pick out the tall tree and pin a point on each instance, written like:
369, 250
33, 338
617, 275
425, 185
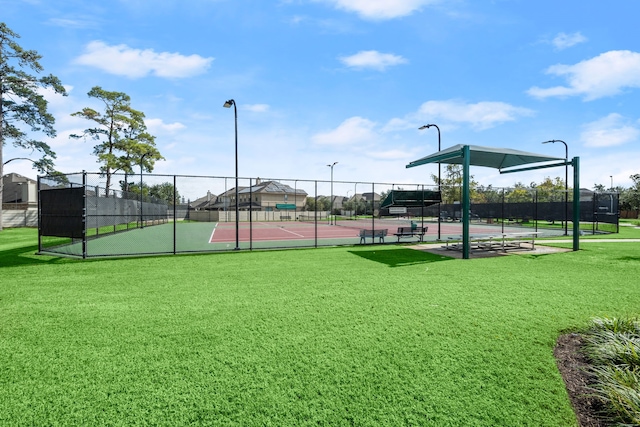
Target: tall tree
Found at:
487, 194
630, 197
166, 192
452, 183
550, 190
23, 110
123, 140
519, 194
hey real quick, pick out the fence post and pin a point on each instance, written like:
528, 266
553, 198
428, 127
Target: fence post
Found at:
84, 214
250, 214
576, 203
39, 218
175, 218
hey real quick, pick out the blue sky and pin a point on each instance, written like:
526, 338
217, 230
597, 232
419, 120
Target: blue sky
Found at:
347, 81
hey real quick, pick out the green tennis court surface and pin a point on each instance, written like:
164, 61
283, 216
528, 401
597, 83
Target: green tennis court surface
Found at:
189, 237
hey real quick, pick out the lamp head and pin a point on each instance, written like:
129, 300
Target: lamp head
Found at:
425, 126
229, 103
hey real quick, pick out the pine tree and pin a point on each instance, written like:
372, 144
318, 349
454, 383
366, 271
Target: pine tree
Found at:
23, 110
123, 140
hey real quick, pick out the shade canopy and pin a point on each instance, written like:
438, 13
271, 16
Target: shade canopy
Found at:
491, 157
499, 158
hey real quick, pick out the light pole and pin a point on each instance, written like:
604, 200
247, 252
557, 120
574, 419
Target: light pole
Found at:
566, 184
141, 218
355, 201
331, 208
295, 199
611, 188
228, 104
19, 158
439, 178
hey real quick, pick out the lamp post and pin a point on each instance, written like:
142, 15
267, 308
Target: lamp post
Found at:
19, 158
611, 177
439, 178
355, 201
295, 199
228, 104
331, 208
566, 184
141, 218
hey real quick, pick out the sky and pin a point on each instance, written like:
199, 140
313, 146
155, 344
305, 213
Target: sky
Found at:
347, 81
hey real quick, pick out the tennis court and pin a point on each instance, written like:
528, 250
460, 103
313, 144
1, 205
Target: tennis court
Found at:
187, 237
340, 232
79, 217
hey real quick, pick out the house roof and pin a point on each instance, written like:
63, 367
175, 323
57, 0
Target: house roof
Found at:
16, 177
272, 187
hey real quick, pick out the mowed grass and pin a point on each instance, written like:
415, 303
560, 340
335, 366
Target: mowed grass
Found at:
365, 336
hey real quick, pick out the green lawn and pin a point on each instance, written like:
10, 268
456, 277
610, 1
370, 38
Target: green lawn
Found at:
365, 336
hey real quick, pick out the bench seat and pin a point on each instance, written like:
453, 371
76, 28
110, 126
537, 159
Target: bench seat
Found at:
380, 234
411, 232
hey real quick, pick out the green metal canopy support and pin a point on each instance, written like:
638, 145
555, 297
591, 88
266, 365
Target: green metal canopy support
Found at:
576, 203
575, 163
502, 159
466, 200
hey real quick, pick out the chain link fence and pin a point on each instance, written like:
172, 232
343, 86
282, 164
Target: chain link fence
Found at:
93, 215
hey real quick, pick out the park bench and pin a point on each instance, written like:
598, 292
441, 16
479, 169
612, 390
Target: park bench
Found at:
380, 234
411, 232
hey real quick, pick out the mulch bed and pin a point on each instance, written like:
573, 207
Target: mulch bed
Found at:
573, 367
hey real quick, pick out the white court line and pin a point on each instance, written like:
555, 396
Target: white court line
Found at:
282, 228
288, 231
212, 233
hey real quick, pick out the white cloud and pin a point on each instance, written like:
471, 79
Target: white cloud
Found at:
605, 75
391, 155
352, 131
157, 125
256, 108
609, 131
481, 115
73, 23
372, 59
380, 9
564, 41
54, 99
134, 63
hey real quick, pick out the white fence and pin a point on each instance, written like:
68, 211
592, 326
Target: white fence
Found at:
19, 217
230, 216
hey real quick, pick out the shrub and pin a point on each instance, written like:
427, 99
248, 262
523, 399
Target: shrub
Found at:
613, 347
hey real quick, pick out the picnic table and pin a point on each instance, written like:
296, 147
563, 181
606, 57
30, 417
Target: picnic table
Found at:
496, 241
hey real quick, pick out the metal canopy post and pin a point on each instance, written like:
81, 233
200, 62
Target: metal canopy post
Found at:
466, 202
576, 203
497, 158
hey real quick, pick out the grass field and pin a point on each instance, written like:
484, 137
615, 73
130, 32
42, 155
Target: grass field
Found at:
365, 336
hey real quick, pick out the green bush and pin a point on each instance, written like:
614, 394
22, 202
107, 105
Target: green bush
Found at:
613, 346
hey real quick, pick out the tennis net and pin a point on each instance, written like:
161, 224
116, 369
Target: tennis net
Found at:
356, 222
